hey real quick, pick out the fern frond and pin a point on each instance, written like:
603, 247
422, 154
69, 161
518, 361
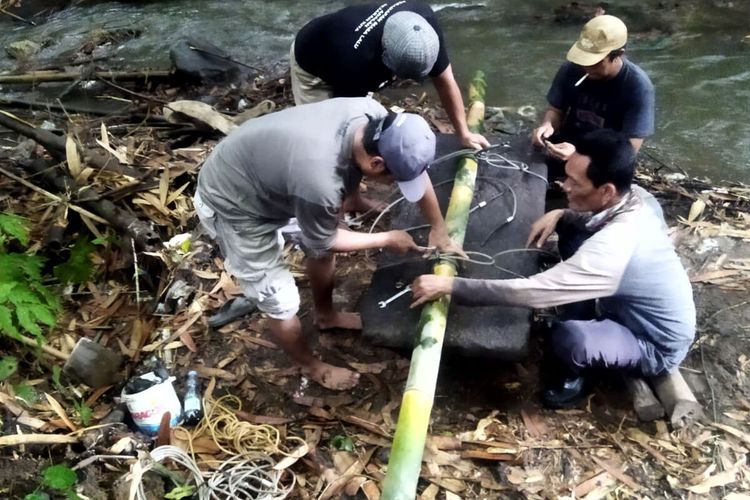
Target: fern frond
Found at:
14, 226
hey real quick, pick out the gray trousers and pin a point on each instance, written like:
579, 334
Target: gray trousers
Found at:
578, 340
594, 343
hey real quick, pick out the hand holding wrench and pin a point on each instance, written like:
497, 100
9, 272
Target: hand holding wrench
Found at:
384, 303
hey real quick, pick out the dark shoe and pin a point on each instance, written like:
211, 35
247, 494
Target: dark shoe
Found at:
569, 394
230, 311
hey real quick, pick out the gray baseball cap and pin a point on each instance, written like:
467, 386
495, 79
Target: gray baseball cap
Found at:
408, 148
410, 45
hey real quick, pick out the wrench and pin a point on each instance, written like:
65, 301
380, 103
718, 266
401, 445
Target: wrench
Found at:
384, 303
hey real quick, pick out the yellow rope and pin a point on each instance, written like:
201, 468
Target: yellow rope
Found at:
234, 436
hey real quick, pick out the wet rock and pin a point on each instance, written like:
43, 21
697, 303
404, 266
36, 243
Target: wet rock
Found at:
202, 62
22, 49
493, 332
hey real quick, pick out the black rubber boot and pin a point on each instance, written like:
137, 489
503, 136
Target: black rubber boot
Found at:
230, 311
569, 393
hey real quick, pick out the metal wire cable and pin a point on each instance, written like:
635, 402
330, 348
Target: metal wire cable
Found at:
493, 159
248, 478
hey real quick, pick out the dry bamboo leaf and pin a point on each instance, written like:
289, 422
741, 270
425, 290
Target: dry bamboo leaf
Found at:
90, 224
292, 458
57, 408
164, 188
737, 415
371, 491
199, 111
207, 371
120, 155
448, 484
105, 135
720, 479
534, 423
177, 193
615, 472
152, 200
353, 486
744, 436
696, 209
430, 493
71, 154
337, 485
591, 484
206, 275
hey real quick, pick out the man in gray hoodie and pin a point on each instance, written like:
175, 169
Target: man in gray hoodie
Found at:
616, 251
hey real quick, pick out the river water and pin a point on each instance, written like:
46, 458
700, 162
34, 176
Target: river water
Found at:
697, 56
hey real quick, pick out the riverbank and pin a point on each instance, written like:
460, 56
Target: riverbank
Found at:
489, 436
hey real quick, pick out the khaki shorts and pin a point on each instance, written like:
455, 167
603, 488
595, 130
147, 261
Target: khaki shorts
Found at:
306, 88
253, 253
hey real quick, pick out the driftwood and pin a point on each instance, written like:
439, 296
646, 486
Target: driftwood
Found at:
57, 76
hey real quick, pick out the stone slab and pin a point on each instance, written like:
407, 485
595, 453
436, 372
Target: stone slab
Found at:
496, 332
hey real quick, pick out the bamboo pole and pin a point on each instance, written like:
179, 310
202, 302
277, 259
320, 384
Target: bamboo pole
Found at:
411, 430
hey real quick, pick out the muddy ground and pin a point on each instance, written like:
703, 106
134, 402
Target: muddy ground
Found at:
489, 437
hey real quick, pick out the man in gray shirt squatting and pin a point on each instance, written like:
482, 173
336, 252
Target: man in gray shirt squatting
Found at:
301, 162
615, 250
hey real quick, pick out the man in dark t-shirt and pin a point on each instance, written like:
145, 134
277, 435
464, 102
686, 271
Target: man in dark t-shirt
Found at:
363, 48
597, 88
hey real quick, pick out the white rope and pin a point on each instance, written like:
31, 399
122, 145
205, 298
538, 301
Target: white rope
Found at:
244, 478
238, 477
146, 462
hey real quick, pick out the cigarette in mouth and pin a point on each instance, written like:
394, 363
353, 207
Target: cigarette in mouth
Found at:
581, 80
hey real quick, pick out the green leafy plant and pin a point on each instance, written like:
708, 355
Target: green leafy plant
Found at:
342, 443
84, 412
180, 492
26, 392
26, 304
8, 366
59, 478
78, 268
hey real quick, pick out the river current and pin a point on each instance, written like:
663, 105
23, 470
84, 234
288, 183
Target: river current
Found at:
697, 54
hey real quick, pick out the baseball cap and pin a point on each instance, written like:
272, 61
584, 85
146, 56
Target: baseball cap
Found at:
410, 45
598, 38
408, 147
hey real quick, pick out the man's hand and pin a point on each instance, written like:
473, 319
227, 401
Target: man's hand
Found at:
400, 242
430, 287
472, 140
439, 239
541, 133
562, 151
543, 227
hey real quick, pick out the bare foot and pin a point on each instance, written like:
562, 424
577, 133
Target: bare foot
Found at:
345, 320
332, 377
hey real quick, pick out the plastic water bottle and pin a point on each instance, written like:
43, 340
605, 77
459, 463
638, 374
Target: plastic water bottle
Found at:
191, 404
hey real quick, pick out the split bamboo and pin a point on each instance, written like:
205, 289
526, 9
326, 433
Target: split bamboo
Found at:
405, 461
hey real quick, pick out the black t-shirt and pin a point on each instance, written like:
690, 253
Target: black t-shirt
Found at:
344, 48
